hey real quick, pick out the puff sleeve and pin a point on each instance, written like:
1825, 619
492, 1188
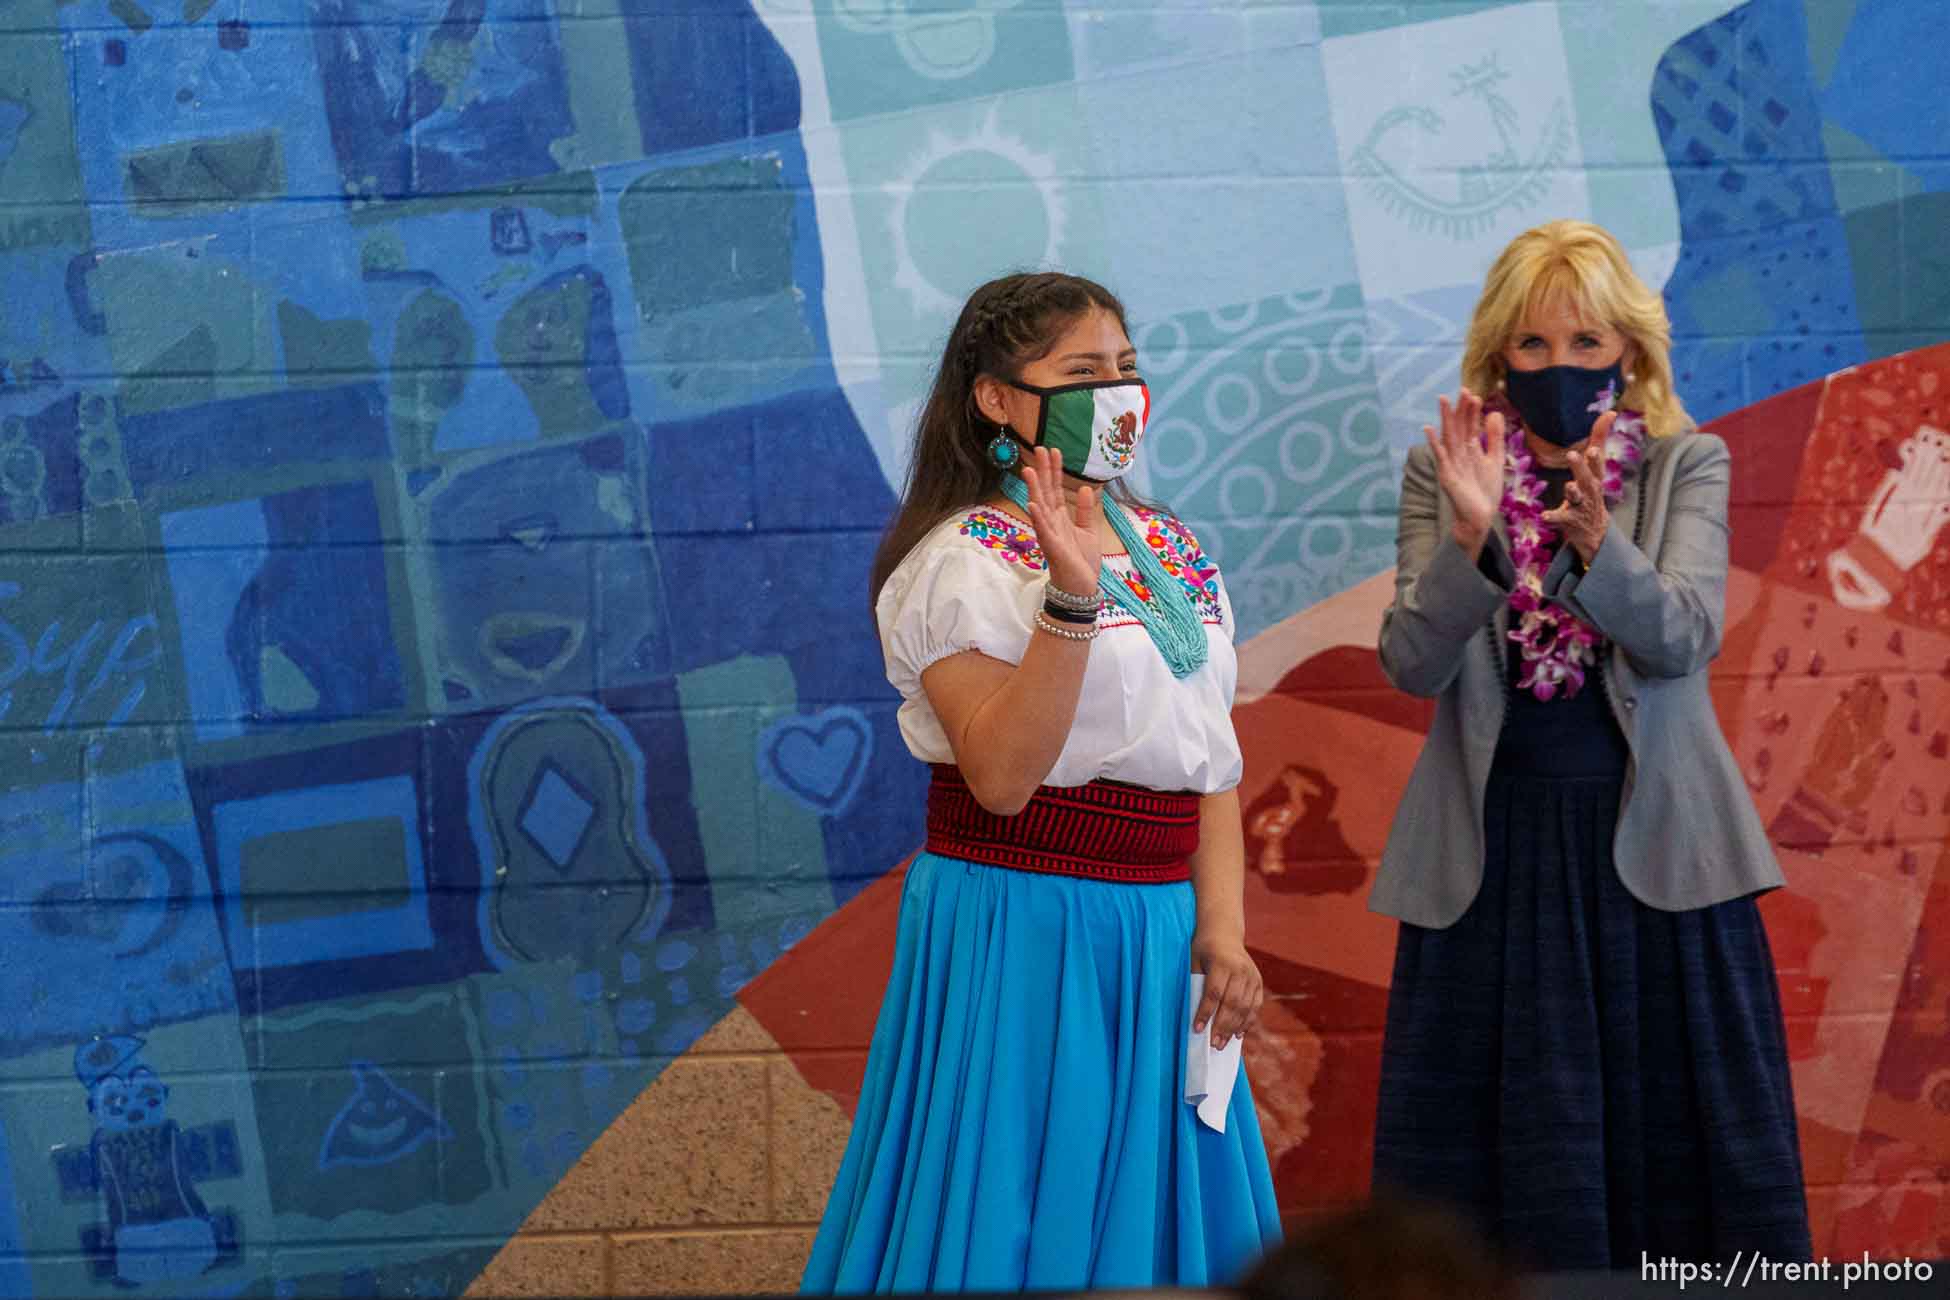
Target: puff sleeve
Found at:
945, 598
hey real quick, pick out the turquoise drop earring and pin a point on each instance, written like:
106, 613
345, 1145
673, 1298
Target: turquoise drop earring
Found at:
1003, 452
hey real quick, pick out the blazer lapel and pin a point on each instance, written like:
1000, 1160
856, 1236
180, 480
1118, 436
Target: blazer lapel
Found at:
1445, 519
1626, 509
1501, 620
1625, 515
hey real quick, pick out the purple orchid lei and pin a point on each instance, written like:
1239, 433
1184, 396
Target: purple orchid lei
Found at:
1557, 645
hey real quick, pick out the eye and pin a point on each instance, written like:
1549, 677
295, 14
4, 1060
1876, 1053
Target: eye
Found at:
1530, 341
1587, 340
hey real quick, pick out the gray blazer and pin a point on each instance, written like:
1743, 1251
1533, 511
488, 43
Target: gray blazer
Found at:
1688, 833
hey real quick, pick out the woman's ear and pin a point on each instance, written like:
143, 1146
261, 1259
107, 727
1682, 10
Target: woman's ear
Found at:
1628, 359
989, 399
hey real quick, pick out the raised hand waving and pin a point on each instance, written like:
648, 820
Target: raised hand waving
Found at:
1066, 533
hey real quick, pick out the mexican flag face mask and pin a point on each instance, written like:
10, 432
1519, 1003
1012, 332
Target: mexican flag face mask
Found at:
1097, 426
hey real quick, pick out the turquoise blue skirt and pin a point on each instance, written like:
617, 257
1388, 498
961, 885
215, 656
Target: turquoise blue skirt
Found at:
1022, 1123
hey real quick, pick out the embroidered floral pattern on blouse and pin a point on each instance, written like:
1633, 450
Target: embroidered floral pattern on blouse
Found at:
1184, 559
1009, 537
1179, 552
1138, 589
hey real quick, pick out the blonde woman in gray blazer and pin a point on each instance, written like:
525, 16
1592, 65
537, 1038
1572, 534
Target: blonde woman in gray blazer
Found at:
1584, 1045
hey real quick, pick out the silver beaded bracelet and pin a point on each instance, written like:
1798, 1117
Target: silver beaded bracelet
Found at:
1069, 600
1047, 624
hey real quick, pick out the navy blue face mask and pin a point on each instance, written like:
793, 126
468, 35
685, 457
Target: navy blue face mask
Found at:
1560, 403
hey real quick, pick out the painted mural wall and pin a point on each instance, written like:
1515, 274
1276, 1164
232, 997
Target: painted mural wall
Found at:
450, 808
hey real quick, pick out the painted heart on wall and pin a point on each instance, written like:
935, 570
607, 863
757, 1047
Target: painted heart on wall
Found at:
818, 759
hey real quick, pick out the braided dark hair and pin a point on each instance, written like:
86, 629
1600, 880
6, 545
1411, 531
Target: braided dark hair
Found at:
1003, 326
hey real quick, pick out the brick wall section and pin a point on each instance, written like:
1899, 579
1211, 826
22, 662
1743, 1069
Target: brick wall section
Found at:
711, 1183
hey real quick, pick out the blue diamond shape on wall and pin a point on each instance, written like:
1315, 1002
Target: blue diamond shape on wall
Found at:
556, 815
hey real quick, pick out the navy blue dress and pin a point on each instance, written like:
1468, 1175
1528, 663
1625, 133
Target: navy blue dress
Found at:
1588, 1077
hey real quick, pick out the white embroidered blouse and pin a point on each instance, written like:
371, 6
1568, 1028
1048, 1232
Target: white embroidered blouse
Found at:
976, 581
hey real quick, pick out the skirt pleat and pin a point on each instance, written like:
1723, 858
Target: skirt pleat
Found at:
1591, 1078
1022, 1122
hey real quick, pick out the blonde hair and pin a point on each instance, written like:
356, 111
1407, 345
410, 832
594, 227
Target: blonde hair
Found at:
1581, 264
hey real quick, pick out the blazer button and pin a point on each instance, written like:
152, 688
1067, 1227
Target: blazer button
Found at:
1631, 703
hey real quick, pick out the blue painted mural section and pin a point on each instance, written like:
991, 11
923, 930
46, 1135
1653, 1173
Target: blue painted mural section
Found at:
440, 97
442, 443
1763, 297
14, 1276
455, 489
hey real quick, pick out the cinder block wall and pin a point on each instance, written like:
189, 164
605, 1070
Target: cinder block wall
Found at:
450, 808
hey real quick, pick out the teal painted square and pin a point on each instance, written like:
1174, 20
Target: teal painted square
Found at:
1861, 176
366, 1131
1614, 59
208, 1099
1926, 265
888, 57
89, 663
186, 323
717, 252
1266, 438
709, 233
105, 913
714, 259
1875, 261
765, 850
38, 159
1217, 180
14, 1277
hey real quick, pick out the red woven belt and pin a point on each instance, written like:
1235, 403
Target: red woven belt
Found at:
1104, 830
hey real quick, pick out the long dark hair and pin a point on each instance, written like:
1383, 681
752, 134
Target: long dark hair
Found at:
1004, 325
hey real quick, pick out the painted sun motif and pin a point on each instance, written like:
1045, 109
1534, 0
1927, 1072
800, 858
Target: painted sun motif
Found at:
1038, 170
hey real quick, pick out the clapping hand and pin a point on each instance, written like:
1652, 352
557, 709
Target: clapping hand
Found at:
1583, 516
1469, 464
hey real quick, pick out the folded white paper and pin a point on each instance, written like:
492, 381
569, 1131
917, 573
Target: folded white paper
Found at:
1209, 1072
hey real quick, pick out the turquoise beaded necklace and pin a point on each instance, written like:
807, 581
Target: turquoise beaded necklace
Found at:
1172, 621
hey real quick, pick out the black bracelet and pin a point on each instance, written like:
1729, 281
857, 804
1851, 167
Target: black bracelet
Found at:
1063, 615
